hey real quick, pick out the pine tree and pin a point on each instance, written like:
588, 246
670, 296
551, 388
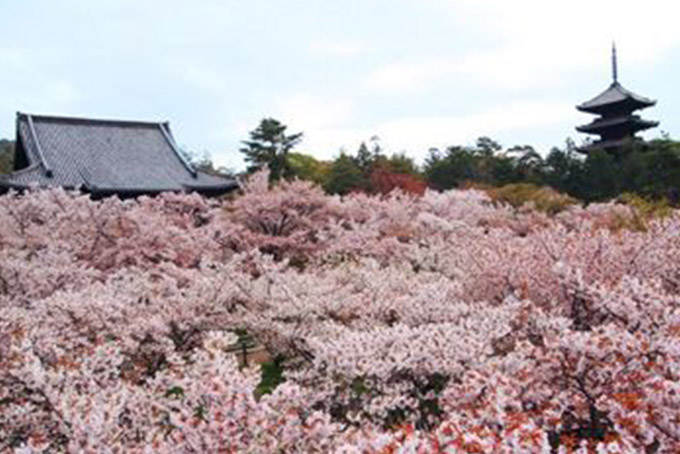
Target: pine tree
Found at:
269, 145
344, 176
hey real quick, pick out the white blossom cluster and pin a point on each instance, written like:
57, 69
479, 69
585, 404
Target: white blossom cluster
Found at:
443, 323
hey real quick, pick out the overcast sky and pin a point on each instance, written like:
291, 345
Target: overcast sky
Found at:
416, 73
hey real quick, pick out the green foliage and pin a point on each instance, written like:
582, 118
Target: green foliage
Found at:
397, 163
370, 171
644, 211
6, 156
662, 167
272, 376
345, 176
527, 163
176, 392
306, 167
541, 197
270, 145
487, 147
562, 169
449, 170
483, 163
364, 159
650, 169
599, 176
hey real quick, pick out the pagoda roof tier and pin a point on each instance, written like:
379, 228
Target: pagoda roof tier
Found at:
629, 122
615, 98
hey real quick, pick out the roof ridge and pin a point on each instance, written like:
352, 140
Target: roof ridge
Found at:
86, 120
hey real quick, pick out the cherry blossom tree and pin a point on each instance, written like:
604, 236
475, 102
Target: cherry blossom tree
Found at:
441, 322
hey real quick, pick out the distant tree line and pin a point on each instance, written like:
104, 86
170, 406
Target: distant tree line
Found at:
368, 170
650, 169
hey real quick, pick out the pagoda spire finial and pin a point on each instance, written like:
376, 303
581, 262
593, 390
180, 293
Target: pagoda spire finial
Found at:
615, 66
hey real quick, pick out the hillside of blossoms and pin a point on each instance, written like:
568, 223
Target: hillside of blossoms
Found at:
445, 322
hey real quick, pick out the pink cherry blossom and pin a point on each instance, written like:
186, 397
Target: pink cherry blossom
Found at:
440, 323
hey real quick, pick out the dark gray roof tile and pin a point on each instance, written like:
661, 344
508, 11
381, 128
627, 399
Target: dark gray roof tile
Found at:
105, 156
616, 94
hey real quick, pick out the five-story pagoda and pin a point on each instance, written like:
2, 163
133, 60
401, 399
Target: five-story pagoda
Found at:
617, 123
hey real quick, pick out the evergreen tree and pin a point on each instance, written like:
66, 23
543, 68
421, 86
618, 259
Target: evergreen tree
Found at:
560, 170
663, 170
450, 170
344, 176
269, 145
364, 159
600, 177
486, 146
400, 163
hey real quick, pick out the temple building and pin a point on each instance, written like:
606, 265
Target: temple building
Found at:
617, 122
103, 158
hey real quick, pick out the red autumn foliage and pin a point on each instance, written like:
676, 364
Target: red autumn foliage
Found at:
384, 181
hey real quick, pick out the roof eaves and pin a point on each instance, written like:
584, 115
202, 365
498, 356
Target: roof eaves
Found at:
635, 96
173, 146
28, 169
227, 186
614, 94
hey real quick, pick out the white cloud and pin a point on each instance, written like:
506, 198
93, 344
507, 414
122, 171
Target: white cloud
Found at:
210, 80
62, 93
204, 78
338, 48
537, 41
321, 119
408, 76
55, 97
645, 29
12, 58
307, 112
418, 134
424, 132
